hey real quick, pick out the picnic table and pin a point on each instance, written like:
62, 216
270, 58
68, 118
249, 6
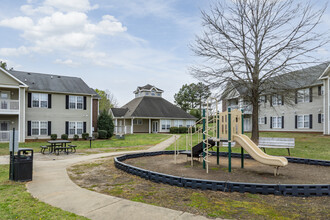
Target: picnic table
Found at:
57, 145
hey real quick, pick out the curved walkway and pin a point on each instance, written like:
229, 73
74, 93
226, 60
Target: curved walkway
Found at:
51, 184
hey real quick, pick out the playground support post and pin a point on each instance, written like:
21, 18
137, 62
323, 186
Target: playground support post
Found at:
229, 140
242, 150
218, 136
203, 131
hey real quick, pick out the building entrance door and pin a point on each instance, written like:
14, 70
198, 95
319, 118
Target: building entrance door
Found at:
155, 127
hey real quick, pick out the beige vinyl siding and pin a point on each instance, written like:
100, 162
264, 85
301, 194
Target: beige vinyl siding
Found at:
289, 112
7, 80
58, 115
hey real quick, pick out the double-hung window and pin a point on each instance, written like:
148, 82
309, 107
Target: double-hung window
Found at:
189, 123
178, 123
303, 95
303, 121
76, 102
166, 124
39, 128
39, 100
276, 100
137, 122
277, 122
75, 127
261, 120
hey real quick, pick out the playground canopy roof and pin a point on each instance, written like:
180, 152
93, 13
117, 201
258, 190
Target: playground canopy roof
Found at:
150, 107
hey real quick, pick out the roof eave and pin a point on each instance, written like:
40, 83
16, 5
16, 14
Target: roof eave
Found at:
13, 77
323, 76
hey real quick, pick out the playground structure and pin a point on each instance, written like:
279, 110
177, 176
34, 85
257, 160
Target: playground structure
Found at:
223, 128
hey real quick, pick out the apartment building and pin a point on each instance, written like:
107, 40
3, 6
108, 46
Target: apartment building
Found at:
38, 105
308, 111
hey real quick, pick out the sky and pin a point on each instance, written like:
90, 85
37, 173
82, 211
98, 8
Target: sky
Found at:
112, 45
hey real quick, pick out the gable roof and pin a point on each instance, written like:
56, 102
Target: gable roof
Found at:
13, 77
325, 73
147, 87
53, 83
151, 107
303, 78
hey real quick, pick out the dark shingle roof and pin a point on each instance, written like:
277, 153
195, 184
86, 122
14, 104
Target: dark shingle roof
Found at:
53, 83
119, 112
153, 107
294, 80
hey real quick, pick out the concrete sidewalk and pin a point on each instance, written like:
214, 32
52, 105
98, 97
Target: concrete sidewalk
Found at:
51, 184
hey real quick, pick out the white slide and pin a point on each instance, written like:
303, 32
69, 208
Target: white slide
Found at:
257, 153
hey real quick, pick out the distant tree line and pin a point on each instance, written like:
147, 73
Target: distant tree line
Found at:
192, 97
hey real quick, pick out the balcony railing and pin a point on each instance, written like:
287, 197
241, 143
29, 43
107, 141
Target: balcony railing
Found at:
123, 130
247, 108
9, 105
4, 136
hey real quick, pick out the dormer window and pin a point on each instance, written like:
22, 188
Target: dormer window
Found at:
148, 90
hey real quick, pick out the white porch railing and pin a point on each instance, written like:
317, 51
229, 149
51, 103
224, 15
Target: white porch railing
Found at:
9, 105
4, 136
247, 108
123, 130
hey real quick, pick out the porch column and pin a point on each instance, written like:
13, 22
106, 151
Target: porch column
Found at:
116, 124
149, 125
132, 126
124, 126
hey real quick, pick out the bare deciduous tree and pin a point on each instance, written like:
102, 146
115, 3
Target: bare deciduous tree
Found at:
250, 43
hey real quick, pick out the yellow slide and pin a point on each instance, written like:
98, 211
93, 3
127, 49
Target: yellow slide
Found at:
258, 154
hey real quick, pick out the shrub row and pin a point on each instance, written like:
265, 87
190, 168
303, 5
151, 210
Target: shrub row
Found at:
180, 130
65, 136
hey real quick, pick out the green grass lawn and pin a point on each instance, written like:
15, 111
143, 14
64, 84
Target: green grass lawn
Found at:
313, 146
130, 140
17, 203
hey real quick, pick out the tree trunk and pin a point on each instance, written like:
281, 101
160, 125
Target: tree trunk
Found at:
255, 123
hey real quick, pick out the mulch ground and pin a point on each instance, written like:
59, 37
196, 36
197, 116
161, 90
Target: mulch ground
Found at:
253, 172
102, 176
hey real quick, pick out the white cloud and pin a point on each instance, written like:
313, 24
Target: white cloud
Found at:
20, 22
71, 5
63, 31
14, 51
67, 62
30, 10
109, 25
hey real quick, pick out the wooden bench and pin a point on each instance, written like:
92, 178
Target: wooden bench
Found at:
266, 142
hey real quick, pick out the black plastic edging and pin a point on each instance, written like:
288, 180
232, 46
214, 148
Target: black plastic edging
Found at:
304, 190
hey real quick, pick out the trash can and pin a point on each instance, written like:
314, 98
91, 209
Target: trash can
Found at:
23, 165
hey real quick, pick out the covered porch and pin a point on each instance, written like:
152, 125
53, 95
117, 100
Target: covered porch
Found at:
136, 125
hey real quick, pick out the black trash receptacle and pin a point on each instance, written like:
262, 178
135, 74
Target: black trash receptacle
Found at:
23, 165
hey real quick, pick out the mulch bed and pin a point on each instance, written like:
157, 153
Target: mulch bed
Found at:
102, 176
253, 172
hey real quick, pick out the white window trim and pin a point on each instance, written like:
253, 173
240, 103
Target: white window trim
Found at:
167, 124
39, 128
76, 102
261, 121
278, 119
39, 100
303, 121
277, 100
137, 121
303, 95
76, 127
